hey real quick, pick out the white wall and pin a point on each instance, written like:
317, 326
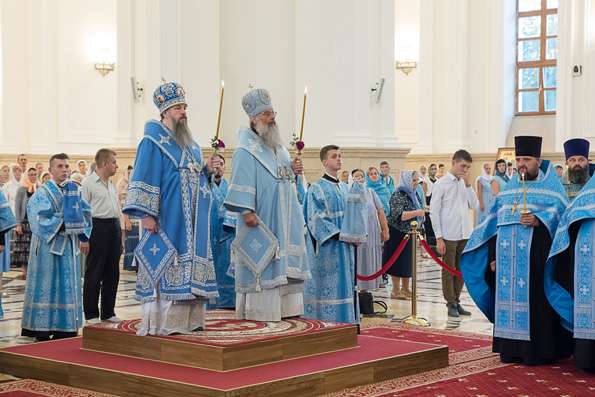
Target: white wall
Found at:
52, 97
460, 95
575, 94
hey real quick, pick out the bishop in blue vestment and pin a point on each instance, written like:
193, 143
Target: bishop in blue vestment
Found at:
515, 238
169, 191
336, 223
570, 273
268, 252
60, 223
223, 226
7, 223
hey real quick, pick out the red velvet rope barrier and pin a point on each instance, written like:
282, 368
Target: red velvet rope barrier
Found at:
449, 269
388, 263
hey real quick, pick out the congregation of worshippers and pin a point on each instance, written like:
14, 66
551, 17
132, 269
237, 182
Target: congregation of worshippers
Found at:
270, 244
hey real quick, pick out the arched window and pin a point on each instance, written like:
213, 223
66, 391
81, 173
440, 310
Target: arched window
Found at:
537, 53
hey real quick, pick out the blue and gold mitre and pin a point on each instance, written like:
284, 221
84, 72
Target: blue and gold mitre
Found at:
168, 95
256, 101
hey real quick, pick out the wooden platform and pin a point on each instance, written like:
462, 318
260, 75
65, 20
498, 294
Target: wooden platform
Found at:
220, 357
374, 359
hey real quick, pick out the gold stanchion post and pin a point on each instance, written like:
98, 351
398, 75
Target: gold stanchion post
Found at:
413, 319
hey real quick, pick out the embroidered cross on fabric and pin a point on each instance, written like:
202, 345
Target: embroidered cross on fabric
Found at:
584, 290
504, 280
164, 139
504, 244
75, 206
154, 249
585, 249
204, 190
521, 283
522, 245
255, 245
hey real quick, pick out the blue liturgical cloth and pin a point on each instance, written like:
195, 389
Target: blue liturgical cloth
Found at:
577, 314
509, 308
169, 182
223, 226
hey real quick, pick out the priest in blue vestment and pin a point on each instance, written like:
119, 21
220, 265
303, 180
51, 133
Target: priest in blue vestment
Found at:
223, 227
504, 261
268, 253
570, 269
169, 191
579, 171
7, 223
61, 225
336, 224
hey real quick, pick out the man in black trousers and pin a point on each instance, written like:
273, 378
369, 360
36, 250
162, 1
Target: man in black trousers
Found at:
102, 270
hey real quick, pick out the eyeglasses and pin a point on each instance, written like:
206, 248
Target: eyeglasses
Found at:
269, 113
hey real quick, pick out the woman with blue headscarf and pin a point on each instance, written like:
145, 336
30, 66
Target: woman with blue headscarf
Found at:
405, 207
500, 177
373, 182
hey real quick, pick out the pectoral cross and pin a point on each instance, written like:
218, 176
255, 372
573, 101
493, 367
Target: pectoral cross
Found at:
154, 249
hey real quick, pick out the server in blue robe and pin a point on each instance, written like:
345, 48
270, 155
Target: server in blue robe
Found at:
570, 269
578, 170
61, 225
269, 252
169, 191
222, 234
330, 294
7, 223
504, 260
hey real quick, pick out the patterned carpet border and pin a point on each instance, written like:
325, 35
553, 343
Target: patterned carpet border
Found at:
462, 363
426, 378
47, 389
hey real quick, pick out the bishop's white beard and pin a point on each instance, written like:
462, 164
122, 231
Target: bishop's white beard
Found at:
269, 134
182, 133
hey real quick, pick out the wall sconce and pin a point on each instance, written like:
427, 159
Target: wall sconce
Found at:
105, 68
406, 66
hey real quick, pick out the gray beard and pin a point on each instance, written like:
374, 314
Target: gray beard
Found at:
269, 133
182, 133
579, 176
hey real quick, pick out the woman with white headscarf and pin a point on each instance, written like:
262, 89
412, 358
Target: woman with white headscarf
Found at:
483, 185
405, 206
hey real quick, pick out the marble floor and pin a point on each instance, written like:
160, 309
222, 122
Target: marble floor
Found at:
430, 305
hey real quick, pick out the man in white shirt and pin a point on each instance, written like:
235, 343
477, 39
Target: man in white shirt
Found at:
452, 198
102, 267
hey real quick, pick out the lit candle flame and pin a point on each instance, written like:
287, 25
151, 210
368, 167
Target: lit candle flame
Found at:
306, 90
222, 83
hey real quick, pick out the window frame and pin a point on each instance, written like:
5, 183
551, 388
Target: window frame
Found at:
542, 63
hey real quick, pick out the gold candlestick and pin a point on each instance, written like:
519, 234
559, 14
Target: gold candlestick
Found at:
303, 112
525, 210
220, 108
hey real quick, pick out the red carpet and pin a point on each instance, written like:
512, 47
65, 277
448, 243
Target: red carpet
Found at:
512, 380
474, 371
370, 348
36, 388
222, 329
